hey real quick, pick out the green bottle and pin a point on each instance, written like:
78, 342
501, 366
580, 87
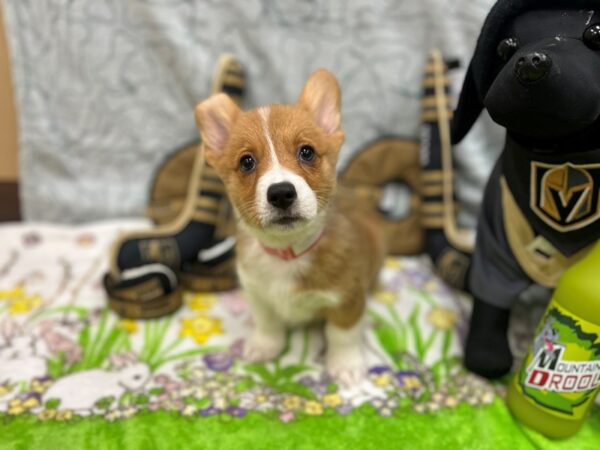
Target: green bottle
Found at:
560, 377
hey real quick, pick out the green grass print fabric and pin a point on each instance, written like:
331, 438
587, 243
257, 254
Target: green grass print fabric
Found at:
74, 376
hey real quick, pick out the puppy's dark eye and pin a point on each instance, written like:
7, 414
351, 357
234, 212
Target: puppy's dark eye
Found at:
591, 36
507, 48
247, 163
306, 153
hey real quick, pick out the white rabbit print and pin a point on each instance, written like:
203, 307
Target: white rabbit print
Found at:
82, 390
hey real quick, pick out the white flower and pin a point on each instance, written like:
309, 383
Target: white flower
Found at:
488, 397
213, 385
111, 416
128, 412
187, 392
361, 393
199, 393
199, 374
189, 410
420, 408
220, 402
258, 399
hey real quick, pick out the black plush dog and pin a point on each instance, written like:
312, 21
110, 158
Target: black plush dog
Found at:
536, 69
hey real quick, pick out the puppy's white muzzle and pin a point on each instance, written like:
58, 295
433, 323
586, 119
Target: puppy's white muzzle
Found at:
281, 194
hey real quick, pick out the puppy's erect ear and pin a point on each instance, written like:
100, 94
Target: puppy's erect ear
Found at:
321, 97
468, 110
215, 117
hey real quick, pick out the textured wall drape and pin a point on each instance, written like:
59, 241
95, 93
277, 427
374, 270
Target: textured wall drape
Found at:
105, 89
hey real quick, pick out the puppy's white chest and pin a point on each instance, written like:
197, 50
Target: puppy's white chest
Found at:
272, 283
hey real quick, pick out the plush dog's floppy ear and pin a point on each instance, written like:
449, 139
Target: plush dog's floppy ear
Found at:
322, 98
215, 117
468, 110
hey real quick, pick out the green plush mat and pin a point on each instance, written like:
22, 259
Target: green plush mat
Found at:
489, 427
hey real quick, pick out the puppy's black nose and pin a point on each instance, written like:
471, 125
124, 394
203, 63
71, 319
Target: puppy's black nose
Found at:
532, 67
281, 195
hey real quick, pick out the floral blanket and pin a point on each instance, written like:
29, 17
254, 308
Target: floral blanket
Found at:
65, 359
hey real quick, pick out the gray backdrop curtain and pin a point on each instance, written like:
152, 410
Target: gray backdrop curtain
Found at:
105, 89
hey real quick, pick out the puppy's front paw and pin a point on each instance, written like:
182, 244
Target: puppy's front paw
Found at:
261, 347
346, 367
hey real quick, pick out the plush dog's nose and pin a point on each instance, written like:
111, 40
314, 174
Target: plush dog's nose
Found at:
532, 67
281, 195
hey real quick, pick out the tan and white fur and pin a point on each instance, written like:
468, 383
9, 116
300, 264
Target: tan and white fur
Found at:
337, 254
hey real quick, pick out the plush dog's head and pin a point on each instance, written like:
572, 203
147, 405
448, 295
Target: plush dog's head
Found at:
536, 69
277, 162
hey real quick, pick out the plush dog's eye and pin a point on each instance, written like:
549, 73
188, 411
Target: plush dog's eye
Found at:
591, 36
247, 163
306, 153
506, 48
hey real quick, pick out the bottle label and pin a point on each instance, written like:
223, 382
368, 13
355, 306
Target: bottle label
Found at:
561, 372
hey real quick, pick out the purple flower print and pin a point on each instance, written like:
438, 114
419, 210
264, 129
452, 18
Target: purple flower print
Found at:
344, 409
219, 362
210, 411
236, 411
378, 370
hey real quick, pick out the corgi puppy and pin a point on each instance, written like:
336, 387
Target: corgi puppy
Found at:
300, 258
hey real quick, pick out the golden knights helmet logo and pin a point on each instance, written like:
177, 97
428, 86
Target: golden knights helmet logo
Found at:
565, 196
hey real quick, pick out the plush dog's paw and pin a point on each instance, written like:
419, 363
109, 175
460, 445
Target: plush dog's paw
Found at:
346, 367
487, 351
261, 347
488, 356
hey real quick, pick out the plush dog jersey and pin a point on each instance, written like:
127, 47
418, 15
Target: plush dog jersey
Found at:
559, 193
541, 214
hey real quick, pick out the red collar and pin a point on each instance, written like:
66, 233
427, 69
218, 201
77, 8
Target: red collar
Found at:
293, 252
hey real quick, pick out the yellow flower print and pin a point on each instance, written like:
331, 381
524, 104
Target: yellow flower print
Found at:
333, 400
412, 383
19, 405
202, 302
313, 408
31, 402
25, 304
16, 410
292, 403
442, 318
382, 379
41, 386
201, 327
393, 263
6, 388
10, 294
386, 297
47, 414
432, 285
19, 302
261, 398
64, 415
451, 402
128, 325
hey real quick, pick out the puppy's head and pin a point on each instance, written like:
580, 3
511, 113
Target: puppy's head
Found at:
277, 162
536, 70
